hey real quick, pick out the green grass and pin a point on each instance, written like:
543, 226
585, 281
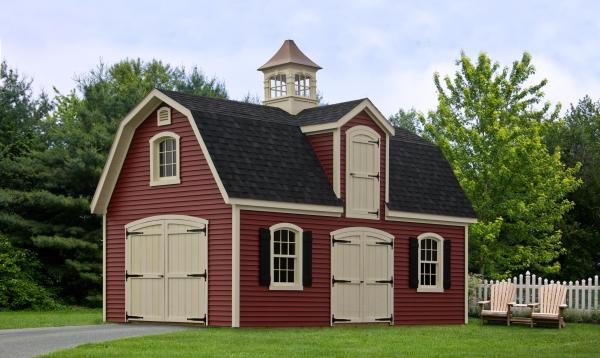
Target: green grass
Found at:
72, 316
450, 341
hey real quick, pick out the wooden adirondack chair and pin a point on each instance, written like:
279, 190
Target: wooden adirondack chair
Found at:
501, 299
551, 305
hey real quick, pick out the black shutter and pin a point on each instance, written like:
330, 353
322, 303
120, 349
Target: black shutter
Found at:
447, 263
264, 255
307, 258
413, 263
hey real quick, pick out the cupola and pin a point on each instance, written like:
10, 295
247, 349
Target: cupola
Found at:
290, 79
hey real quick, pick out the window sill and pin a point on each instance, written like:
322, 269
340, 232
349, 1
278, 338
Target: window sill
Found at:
166, 181
279, 287
431, 289
356, 215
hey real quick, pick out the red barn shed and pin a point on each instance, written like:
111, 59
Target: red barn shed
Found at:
225, 213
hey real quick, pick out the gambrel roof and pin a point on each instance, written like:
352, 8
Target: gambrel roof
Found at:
259, 152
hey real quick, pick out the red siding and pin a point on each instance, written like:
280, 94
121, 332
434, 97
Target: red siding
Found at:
311, 307
364, 120
197, 195
322, 145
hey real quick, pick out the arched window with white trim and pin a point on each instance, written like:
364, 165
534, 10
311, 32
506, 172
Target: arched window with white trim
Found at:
164, 159
431, 263
286, 257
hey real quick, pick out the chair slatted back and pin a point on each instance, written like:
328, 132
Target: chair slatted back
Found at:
551, 297
501, 294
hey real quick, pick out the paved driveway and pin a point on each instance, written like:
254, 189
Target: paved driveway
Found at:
29, 342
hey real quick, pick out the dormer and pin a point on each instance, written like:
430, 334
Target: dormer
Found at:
290, 79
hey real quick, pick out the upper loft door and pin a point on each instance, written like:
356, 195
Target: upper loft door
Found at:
362, 172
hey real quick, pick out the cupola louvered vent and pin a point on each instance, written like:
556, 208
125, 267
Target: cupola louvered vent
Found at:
164, 116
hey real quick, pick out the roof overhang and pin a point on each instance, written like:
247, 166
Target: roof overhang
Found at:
405, 216
367, 106
123, 137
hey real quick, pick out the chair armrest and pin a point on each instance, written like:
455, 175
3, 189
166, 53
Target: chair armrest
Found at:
514, 304
483, 302
563, 306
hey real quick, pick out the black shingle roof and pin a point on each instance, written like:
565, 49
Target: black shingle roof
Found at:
261, 153
422, 180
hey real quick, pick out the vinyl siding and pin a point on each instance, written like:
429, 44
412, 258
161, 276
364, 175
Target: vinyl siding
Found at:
322, 145
197, 195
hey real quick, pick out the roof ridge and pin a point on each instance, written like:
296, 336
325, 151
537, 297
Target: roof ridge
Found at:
276, 109
253, 118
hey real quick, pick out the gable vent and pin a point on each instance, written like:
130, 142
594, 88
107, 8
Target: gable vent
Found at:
164, 116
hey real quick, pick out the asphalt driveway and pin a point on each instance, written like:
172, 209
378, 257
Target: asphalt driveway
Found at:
29, 342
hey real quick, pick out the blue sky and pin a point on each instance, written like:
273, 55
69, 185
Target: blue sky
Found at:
384, 50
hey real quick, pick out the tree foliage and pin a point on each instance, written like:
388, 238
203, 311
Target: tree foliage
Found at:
410, 120
489, 124
52, 176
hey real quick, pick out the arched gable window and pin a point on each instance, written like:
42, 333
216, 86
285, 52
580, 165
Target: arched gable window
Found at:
286, 257
164, 159
431, 262
302, 85
277, 86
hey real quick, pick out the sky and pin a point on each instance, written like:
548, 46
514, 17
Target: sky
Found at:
385, 50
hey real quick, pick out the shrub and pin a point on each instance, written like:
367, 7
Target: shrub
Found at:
18, 290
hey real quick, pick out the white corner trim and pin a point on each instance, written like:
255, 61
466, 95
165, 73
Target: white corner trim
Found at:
466, 274
367, 106
235, 265
337, 162
123, 138
393, 215
387, 168
155, 179
291, 208
104, 267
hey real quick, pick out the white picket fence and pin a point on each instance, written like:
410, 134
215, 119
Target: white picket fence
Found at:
584, 295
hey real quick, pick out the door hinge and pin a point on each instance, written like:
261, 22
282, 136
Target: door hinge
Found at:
198, 230
376, 212
203, 275
128, 275
333, 241
334, 281
391, 243
198, 319
390, 281
374, 176
386, 319
334, 320
130, 233
374, 141
127, 317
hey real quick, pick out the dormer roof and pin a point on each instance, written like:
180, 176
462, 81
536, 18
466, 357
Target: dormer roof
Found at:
289, 53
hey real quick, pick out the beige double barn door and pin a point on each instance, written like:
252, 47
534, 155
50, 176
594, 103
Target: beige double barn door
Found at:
166, 270
362, 263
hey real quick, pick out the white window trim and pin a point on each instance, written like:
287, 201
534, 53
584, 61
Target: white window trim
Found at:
439, 287
155, 180
165, 122
355, 213
297, 285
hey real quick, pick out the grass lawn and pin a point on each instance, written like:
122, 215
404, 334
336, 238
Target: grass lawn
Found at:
452, 341
65, 317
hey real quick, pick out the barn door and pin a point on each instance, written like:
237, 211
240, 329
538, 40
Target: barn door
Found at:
362, 263
362, 168
166, 270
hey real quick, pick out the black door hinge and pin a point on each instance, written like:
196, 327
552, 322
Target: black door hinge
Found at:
374, 176
128, 275
198, 319
203, 275
334, 320
127, 317
376, 212
386, 319
198, 230
130, 233
391, 243
333, 241
390, 281
334, 281
374, 141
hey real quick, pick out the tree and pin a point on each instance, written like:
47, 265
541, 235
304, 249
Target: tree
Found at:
410, 120
489, 124
47, 209
578, 136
